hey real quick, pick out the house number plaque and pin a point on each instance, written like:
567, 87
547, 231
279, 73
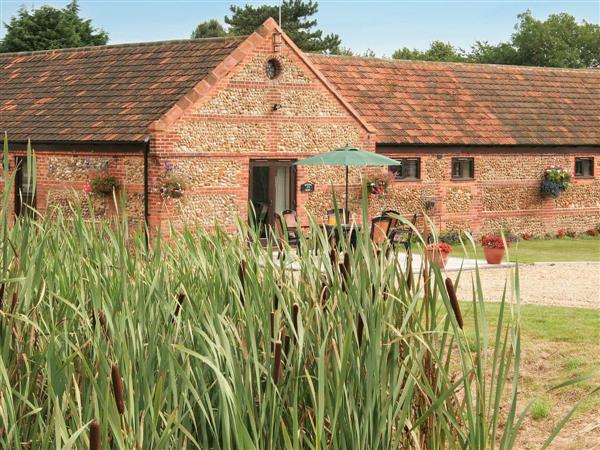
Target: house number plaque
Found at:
307, 187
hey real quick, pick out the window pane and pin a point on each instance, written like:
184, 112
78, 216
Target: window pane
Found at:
411, 166
463, 168
584, 167
408, 169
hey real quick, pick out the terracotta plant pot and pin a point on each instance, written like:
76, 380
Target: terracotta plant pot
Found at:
493, 255
437, 258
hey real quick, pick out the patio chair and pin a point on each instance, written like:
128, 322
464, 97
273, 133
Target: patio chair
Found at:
380, 229
393, 214
286, 226
344, 215
401, 234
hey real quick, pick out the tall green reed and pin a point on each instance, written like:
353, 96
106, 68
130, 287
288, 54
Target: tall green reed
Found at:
207, 341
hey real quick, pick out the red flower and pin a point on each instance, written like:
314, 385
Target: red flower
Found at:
87, 188
493, 242
440, 247
561, 232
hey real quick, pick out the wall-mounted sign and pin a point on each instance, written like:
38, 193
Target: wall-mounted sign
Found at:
307, 187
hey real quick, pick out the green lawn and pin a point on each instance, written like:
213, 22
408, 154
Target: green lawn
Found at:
558, 344
565, 249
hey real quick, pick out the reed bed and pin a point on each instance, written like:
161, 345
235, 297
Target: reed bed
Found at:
206, 341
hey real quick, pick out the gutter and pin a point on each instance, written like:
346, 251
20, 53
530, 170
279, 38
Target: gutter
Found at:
146, 189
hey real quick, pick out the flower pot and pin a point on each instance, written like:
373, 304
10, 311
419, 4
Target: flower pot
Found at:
437, 258
493, 255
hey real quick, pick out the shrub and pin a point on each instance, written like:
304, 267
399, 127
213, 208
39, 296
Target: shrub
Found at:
450, 237
592, 232
104, 184
527, 236
561, 233
494, 242
571, 233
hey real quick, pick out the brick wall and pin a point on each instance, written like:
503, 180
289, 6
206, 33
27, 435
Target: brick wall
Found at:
62, 175
505, 191
214, 141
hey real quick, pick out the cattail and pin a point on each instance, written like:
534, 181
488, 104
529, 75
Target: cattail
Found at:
286, 344
333, 257
1, 295
242, 276
277, 363
118, 389
272, 324
275, 302
347, 267
409, 277
324, 296
295, 311
180, 300
454, 302
14, 302
94, 435
359, 329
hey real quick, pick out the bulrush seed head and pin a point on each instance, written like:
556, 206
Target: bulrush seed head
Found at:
295, 311
277, 363
454, 302
118, 389
94, 435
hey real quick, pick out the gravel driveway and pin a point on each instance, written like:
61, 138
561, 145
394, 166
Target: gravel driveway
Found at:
575, 284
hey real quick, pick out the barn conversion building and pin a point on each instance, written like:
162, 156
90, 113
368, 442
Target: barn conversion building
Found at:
229, 116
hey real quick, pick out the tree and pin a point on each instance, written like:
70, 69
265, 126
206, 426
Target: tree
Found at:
559, 41
296, 22
438, 51
47, 28
210, 28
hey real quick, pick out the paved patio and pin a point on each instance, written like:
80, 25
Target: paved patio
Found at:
453, 264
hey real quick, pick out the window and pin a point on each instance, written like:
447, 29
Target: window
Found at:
463, 168
409, 169
273, 69
584, 167
24, 192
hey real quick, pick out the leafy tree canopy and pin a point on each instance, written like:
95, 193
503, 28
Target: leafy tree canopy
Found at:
47, 28
438, 51
558, 41
208, 29
296, 21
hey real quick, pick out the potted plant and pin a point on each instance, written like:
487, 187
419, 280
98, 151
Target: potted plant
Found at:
172, 187
556, 180
493, 248
379, 185
437, 253
103, 185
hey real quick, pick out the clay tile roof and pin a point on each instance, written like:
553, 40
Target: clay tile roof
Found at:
418, 102
109, 93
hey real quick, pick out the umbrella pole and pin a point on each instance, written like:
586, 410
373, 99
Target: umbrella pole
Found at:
347, 218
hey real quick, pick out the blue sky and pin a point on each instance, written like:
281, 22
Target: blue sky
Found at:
380, 25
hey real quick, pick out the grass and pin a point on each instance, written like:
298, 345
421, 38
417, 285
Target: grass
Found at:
554, 250
540, 409
558, 344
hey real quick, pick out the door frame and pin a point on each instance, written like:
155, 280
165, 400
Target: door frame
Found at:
271, 164
20, 207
